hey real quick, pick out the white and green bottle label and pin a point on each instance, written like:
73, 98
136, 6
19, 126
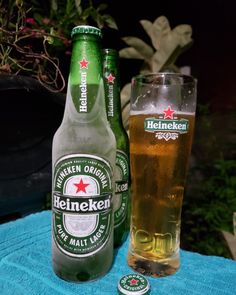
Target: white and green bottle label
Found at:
121, 188
82, 204
167, 126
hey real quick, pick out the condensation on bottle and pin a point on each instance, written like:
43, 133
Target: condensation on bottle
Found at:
83, 156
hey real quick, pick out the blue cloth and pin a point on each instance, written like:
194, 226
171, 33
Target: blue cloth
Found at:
25, 267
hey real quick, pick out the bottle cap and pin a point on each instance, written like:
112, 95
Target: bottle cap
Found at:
133, 284
84, 29
110, 51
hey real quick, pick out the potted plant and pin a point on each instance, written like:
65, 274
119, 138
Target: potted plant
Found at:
34, 61
35, 37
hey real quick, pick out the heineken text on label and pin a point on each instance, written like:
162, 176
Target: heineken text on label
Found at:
167, 126
95, 204
82, 204
121, 187
83, 86
110, 85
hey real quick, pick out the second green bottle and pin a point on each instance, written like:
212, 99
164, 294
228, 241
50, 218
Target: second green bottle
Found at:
111, 75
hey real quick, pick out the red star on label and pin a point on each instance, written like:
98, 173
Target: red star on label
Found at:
168, 113
110, 78
133, 282
81, 186
83, 64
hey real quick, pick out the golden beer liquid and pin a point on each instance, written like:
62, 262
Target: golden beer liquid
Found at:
158, 172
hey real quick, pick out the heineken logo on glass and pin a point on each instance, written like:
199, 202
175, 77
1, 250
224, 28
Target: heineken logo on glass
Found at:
82, 204
110, 80
167, 126
83, 86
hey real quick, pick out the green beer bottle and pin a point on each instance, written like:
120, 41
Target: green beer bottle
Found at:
122, 173
84, 152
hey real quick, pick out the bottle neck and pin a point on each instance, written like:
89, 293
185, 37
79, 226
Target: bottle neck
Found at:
85, 94
111, 76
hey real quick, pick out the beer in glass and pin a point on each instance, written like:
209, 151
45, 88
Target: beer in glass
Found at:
161, 131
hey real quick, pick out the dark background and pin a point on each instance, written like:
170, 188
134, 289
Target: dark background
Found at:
212, 55
28, 119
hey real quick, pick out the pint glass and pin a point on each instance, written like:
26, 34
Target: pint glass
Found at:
161, 129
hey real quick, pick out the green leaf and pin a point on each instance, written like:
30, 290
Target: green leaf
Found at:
148, 26
99, 20
172, 58
144, 49
49, 39
162, 25
110, 21
54, 5
169, 43
158, 60
87, 12
77, 3
70, 8
38, 18
78, 6
102, 6
170, 49
146, 68
95, 16
130, 52
183, 33
161, 28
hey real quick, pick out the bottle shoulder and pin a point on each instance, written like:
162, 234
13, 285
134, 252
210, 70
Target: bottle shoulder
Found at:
84, 138
74, 132
122, 141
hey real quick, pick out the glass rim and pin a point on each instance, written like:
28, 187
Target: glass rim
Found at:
147, 79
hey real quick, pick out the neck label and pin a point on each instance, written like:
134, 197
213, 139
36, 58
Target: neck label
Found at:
83, 93
83, 103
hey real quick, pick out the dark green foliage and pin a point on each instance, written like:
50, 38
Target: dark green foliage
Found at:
211, 192
35, 36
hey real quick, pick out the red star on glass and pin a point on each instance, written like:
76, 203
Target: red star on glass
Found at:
81, 186
133, 282
83, 64
168, 113
110, 78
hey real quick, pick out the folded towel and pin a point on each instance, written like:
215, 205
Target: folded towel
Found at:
25, 267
